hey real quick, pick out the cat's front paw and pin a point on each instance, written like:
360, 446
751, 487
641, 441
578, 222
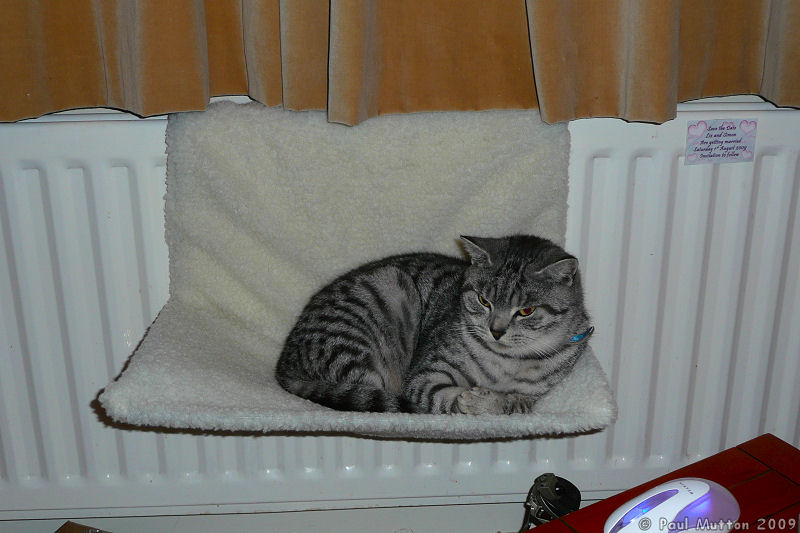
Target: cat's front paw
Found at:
480, 401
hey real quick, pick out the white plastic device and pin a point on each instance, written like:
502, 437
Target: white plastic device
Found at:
685, 504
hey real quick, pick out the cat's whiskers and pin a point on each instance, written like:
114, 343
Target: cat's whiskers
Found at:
547, 351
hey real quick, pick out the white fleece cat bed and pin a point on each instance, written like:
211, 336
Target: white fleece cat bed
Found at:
265, 206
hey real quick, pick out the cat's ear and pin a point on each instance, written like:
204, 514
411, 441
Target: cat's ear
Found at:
479, 250
562, 271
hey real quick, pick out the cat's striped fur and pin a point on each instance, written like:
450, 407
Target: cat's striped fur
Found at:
429, 333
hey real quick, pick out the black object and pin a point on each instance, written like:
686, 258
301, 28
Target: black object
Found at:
550, 497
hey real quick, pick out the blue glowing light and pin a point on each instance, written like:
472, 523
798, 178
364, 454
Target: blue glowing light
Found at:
642, 508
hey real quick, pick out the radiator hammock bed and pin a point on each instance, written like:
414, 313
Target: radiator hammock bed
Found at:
265, 206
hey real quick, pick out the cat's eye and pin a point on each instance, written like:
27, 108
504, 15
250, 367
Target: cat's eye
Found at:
526, 311
483, 301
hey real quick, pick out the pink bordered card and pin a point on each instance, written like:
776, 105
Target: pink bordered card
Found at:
720, 141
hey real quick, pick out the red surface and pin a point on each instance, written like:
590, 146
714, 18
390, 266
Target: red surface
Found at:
779, 455
764, 495
786, 520
763, 474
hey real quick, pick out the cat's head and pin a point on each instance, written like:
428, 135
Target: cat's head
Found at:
522, 295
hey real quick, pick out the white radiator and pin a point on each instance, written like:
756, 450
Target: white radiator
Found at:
691, 275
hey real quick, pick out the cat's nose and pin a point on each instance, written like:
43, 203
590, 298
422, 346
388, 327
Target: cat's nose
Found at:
497, 333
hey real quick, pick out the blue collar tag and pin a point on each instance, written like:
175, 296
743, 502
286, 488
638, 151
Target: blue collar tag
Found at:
581, 336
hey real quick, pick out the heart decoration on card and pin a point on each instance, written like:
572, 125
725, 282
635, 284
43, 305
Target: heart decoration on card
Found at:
748, 127
697, 130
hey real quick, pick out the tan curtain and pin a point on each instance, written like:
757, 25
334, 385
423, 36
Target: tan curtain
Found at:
636, 59
633, 59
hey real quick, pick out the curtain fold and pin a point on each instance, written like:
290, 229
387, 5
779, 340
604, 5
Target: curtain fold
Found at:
440, 55
780, 80
261, 36
633, 59
304, 53
605, 58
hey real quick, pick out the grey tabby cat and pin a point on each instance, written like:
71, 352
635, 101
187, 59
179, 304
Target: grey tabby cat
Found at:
428, 333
